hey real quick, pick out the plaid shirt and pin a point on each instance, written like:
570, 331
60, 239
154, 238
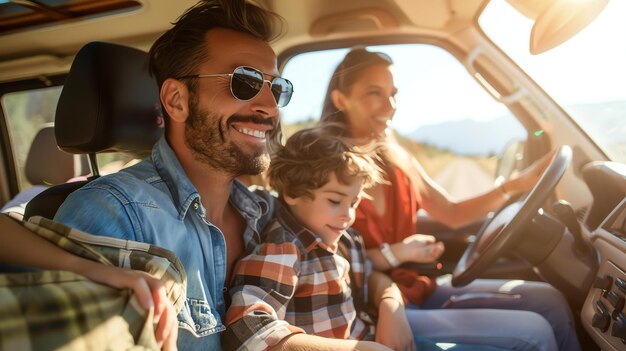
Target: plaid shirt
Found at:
49, 310
293, 283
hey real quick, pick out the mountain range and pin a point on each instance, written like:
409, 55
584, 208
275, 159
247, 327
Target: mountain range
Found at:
471, 137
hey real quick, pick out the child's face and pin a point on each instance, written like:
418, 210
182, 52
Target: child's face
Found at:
331, 210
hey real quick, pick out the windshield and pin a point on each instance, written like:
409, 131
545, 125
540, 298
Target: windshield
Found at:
585, 75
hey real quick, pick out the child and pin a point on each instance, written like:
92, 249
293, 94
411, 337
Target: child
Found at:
310, 272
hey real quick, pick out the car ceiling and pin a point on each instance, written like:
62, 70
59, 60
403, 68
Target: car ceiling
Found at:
50, 48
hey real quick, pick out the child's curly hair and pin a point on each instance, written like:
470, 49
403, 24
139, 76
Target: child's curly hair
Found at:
311, 155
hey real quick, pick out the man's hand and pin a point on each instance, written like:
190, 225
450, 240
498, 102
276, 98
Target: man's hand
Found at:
45, 255
150, 293
420, 248
392, 329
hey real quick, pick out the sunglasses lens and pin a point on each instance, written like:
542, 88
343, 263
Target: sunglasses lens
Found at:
282, 89
246, 83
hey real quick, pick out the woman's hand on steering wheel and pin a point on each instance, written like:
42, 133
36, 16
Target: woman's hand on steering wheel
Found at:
505, 229
528, 177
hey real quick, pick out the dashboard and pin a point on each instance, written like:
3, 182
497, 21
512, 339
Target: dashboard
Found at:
603, 314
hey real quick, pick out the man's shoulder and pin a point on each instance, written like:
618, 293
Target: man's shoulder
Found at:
102, 202
128, 180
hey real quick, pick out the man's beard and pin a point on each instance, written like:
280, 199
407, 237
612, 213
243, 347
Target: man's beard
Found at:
206, 138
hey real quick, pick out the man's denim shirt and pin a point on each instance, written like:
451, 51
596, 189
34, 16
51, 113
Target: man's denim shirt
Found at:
155, 202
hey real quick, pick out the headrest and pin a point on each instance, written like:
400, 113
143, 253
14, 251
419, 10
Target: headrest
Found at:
109, 102
46, 164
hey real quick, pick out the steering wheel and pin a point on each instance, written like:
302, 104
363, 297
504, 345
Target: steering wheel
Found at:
505, 229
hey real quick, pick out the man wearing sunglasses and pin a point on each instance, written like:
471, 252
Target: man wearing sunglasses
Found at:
220, 92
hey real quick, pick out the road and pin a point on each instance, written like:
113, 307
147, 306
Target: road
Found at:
464, 178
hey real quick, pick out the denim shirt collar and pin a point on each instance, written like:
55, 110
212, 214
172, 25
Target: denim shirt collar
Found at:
166, 163
184, 193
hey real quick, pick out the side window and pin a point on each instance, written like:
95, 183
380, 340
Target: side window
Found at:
454, 128
26, 113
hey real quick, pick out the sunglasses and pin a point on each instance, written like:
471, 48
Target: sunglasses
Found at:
246, 83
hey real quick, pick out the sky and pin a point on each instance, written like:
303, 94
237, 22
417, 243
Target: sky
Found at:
428, 78
588, 67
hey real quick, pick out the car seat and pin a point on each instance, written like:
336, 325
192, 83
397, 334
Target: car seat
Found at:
45, 166
109, 103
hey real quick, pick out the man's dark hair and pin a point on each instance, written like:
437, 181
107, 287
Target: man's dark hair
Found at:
180, 50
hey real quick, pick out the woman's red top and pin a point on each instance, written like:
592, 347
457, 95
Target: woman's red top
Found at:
398, 222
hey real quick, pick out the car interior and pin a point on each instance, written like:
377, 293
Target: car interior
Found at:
46, 166
78, 69
106, 85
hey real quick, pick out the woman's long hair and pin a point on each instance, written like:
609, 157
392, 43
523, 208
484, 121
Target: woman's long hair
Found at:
345, 75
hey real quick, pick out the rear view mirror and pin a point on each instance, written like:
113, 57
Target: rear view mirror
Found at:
557, 21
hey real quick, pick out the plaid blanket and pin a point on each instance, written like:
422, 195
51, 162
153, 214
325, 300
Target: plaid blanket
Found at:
47, 310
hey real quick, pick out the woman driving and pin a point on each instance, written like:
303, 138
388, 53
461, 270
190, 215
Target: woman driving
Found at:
361, 98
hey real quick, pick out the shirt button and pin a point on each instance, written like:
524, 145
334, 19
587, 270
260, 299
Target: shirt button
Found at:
224, 289
195, 206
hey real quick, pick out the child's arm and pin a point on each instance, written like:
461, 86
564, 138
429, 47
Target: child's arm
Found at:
23, 247
264, 283
393, 328
306, 342
262, 286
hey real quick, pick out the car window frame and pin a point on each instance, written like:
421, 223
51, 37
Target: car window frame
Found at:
9, 184
534, 148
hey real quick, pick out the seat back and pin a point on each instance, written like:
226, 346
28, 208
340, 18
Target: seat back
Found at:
109, 103
45, 166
